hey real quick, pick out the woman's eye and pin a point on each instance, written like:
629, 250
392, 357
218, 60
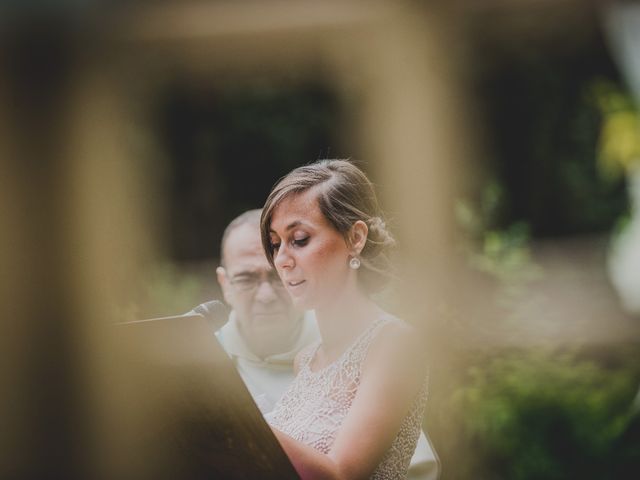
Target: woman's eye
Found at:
275, 246
300, 242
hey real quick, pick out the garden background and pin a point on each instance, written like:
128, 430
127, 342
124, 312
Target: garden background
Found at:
536, 338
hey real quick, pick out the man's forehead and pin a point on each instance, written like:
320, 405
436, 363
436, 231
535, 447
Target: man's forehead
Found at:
243, 249
247, 264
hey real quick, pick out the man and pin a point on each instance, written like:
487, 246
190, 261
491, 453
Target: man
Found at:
264, 332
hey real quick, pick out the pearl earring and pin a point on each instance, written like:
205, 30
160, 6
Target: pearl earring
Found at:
354, 263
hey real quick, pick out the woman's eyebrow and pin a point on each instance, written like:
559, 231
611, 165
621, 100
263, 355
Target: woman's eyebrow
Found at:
293, 225
288, 227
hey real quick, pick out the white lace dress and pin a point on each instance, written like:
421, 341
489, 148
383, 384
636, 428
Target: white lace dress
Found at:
315, 405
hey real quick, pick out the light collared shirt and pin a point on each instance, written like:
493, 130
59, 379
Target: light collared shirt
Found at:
266, 378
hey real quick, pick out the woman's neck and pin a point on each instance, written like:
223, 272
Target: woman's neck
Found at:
343, 320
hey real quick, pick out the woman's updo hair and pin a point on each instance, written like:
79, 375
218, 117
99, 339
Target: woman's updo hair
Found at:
345, 195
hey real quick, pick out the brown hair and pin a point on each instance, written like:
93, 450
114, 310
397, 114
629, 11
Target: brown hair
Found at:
345, 195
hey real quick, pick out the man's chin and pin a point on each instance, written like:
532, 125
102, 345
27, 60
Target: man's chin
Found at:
271, 315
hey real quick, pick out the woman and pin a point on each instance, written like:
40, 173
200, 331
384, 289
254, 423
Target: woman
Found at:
355, 408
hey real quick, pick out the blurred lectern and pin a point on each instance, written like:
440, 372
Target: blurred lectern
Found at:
200, 420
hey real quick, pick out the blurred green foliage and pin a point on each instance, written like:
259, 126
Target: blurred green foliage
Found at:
542, 414
619, 142
500, 251
538, 413
545, 118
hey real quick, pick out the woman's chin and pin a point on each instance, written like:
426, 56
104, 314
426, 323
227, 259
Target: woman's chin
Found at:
301, 303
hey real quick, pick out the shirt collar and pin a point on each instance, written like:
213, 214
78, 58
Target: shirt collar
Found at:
236, 346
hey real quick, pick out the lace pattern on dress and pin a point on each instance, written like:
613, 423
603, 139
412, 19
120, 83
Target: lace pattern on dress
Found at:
316, 403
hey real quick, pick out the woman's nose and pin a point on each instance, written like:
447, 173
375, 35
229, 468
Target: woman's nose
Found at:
282, 258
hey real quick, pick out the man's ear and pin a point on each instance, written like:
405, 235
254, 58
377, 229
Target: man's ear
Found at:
221, 273
358, 236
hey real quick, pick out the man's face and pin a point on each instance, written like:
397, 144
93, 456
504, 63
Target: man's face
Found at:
251, 287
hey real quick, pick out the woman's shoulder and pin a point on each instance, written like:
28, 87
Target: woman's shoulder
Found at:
397, 341
394, 329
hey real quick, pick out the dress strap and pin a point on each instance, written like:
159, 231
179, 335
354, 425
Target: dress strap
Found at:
353, 355
359, 349
307, 354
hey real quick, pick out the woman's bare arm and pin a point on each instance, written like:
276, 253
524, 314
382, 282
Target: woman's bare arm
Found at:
310, 463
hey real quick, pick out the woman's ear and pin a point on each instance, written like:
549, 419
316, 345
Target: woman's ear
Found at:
358, 236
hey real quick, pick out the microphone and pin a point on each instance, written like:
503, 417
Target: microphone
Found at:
214, 312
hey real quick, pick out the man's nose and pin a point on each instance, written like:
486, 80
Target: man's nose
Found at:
265, 292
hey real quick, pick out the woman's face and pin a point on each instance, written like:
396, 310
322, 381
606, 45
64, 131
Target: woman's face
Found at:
310, 255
